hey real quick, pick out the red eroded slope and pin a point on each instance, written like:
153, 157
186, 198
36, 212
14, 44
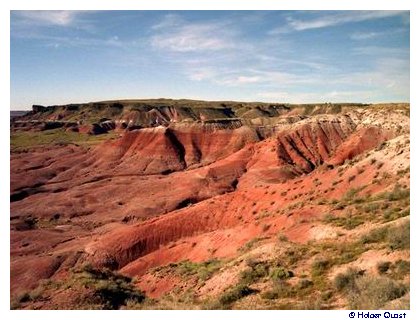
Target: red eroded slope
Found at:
163, 150
206, 143
302, 149
193, 184
145, 151
125, 244
359, 142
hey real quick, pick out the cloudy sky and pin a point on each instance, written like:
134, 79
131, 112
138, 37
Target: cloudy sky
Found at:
280, 56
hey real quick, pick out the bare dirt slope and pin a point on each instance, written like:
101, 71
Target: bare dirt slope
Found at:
305, 211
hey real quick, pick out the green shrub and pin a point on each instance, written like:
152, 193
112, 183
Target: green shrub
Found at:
281, 237
281, 289
235, 294
371, 207
383, 266
279, 273
252, 274
304, 283
351, 194
347, 252
400, 269
320, 266
351, 178
375, 236
399, 237
396, 237
346, 281
373, 292
208, 269
352, 222
112, 290
249, 245
270, 295
295, 254
203, 270
348, 222
398, 193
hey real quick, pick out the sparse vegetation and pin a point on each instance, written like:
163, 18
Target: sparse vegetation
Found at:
249, 245
348, 222
234, 294
254, 272
371, 292
280, 273
368, 292
383, 266
320, 266
397, 194
282, 237
98, 289
269, 271
400, 269
396, 237
346, 281
20, 140
202, 270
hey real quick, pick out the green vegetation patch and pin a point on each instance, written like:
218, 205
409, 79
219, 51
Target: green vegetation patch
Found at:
398, 193
96, 289
347, 222
249, 245
372, 292
395, 237
202, 270
368, 292
23, 140
234, 294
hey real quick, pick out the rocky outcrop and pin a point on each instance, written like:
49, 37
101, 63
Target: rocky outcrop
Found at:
312, 143
205, 143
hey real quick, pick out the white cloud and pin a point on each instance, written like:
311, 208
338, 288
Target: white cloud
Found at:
365, 35
334, 19
240, 80
248, 79
74, 42
50, 17
380, 51
375, 34
168, 21
318, 97
176, 35
241, 76
201, 74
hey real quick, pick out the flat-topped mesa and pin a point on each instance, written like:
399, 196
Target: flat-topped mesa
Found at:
146, 112
265, 118
38, 108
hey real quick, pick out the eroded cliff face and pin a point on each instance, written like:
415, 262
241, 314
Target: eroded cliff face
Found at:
294, 152
97, 117
194, 190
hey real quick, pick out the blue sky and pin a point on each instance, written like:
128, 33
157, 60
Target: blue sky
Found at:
276, 56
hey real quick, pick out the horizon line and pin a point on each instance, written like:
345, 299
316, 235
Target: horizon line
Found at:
204, 100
